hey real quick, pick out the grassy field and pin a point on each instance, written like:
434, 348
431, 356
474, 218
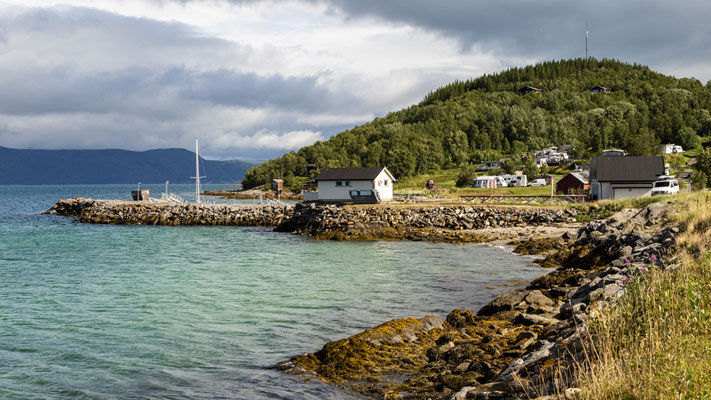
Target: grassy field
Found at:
655, 343
446, 186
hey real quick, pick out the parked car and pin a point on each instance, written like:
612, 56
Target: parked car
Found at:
665, 185
537, 182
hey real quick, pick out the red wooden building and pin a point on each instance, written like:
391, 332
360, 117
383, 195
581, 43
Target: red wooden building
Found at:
574, 182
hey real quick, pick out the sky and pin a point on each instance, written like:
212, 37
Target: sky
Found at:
254, 79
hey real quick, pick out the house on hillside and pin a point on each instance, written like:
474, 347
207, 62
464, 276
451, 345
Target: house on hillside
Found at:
529, 89
600, 89
574, 182
365, 185
489, 165
623, 177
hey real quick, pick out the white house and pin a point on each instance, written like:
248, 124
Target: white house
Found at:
623, 177
353, 184
671, 149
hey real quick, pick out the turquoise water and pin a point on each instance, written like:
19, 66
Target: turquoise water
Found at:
125, 312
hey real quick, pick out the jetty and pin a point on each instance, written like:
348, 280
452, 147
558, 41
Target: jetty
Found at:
119, 212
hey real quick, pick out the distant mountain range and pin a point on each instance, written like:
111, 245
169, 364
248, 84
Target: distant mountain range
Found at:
57, 167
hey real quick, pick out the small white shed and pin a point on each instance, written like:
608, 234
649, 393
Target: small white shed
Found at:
347, 184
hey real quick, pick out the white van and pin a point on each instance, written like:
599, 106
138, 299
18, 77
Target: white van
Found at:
665, 185
537, 182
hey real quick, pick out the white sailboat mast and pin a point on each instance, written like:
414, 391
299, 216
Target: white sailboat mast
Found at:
197, 173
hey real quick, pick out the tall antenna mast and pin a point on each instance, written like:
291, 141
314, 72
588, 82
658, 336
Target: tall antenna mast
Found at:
586, 39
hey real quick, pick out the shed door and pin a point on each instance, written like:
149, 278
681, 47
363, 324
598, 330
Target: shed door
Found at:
624, 193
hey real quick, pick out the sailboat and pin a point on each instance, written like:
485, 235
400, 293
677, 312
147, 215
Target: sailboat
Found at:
197, 176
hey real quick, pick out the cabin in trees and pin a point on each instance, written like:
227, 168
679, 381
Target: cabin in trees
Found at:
529, 89
353, 184
574, 182
624, 177
600, 89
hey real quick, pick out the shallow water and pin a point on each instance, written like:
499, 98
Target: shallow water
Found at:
106, 312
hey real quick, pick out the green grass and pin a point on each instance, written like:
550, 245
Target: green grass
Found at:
655, 343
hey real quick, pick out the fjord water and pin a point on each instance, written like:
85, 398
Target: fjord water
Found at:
125, 312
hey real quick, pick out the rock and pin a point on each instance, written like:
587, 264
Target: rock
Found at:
463, 367
505, 302
571, 393
538, 301
460, 318
533, 319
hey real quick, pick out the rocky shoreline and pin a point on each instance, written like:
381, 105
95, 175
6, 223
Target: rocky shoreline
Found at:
521, 344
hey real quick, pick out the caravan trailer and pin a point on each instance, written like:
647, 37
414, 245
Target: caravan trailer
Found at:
489, 182
515, 180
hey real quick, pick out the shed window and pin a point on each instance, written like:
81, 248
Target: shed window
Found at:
386, 182
339, 183
348, 183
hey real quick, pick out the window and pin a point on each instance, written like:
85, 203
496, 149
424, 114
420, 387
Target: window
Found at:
348, 183
386, 182
339, 183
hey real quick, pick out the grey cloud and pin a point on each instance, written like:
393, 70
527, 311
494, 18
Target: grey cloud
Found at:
656, 33
138, 90
229, 87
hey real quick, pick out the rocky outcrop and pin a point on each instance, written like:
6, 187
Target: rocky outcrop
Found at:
316, 220
515, 344
164, 213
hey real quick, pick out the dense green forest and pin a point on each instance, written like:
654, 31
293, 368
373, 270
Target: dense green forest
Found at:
485, 118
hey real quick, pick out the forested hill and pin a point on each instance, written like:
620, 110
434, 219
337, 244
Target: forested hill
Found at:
43, 167
484, 118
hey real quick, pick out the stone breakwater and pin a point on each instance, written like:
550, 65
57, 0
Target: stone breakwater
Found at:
515, 346
356, 223
438, 224
154, 213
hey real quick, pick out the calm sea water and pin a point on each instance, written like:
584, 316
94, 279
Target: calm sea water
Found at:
126, 312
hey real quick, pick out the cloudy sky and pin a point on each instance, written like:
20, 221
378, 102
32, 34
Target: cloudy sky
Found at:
254, 79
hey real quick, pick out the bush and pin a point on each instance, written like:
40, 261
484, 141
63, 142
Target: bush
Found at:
467, 176
703, 166
699, 181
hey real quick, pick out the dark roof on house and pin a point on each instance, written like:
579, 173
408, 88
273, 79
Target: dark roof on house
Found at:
626, 169
355, 174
